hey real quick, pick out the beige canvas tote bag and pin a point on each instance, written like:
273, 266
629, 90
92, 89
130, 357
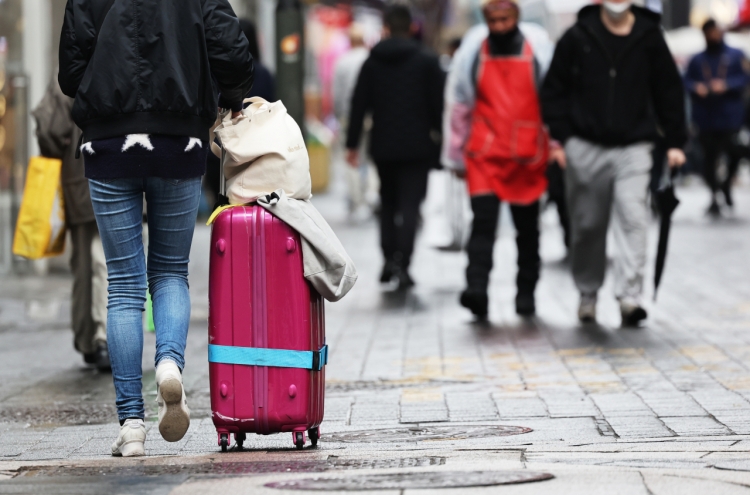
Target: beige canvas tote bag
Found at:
264, 150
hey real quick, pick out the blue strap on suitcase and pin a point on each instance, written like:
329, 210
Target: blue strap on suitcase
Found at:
277, 358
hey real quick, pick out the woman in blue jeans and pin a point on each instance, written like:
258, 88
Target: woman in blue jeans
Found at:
146, 77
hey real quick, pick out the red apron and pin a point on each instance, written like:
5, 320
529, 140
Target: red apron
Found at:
508, 147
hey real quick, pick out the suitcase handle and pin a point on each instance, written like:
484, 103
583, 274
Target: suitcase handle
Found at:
275, 358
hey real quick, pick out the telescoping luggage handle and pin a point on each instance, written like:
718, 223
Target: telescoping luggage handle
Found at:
275, 358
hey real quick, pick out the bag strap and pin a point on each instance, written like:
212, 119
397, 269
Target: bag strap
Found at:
277, 358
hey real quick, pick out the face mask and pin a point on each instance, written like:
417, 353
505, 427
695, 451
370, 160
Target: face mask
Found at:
616, 10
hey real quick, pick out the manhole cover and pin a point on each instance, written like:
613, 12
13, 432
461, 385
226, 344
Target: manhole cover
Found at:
236, 468
410, 481
427, 433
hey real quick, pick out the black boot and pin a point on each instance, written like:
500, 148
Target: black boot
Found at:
727, 190
404, 280
390, 271
476, 301
714, 209
525, 304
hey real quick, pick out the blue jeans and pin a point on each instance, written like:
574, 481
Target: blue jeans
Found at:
172, 211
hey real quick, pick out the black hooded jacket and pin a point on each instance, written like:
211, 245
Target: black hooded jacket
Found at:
158, 66
402, 86
614, 101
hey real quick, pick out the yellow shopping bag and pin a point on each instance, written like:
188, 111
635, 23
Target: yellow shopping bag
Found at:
40, 231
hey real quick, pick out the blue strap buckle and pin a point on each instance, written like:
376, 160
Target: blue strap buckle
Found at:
276, 358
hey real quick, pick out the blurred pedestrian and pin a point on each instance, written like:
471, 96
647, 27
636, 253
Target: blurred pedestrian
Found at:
611, 80
58, 135
264, 86
145, 77
362, 181
401, 85
716, 79
496, 124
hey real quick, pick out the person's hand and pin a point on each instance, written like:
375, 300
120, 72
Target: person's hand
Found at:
701, 90
676, 158
461, 174
718, 86
236, 114
557, 154
352, 158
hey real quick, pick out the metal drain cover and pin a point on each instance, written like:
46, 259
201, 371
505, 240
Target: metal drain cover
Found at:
426, 433
411, 481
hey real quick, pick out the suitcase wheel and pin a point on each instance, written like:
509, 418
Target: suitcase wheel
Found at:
224, 441
314, 434
299, 439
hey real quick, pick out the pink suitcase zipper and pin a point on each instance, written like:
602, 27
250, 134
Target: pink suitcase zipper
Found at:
267, 347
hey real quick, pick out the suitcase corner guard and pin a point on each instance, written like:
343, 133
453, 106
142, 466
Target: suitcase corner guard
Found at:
277, 358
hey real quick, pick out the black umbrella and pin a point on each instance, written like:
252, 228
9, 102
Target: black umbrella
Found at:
667, 203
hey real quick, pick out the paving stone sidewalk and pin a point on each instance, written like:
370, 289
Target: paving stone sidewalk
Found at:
661, 409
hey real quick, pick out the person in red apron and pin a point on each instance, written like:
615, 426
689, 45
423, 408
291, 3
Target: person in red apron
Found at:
505, 156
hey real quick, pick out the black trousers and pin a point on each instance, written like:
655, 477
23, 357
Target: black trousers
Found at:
403, 187
714, 145
482, 242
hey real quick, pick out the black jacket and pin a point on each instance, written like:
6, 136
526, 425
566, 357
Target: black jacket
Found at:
402, 86
614, 102
158, 66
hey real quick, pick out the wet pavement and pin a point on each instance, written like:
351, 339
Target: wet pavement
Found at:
420, 397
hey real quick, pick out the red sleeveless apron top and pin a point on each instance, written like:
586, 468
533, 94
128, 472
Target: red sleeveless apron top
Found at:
508, 147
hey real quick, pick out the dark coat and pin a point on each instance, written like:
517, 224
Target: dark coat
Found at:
58, 135
402, 86
724, 112
614, 101
158, 67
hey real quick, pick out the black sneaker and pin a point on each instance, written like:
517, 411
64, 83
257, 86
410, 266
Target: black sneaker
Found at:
632, 316
525, 305
475, 301
89, 358
102, 357
714, 209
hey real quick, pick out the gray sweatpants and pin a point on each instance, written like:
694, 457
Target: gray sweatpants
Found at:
604, 182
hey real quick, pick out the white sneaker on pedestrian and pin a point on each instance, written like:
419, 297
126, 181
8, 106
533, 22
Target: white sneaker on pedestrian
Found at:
130, 441
587, 308
174, 415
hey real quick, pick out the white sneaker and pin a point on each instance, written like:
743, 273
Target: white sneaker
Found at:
587, 308
174, 415
130, 441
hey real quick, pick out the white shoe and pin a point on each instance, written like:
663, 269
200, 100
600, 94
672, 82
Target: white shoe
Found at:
174, 415
130, 441
587, 308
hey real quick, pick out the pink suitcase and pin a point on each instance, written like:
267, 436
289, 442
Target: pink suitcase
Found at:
267, 347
